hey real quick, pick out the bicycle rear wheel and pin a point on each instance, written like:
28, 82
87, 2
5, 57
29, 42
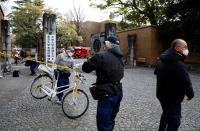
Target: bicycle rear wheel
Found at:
74, 106
36, 85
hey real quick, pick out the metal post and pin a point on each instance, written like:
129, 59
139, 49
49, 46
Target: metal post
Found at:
49, 29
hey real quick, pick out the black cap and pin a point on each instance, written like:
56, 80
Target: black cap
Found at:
113, 40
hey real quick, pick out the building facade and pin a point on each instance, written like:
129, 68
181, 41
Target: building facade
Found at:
140, 45
97, 32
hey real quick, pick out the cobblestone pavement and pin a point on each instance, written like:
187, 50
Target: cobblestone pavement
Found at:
140, 110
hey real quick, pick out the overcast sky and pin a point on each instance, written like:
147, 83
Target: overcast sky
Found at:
63, 6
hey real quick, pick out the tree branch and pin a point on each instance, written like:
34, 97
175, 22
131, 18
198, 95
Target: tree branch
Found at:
136, 7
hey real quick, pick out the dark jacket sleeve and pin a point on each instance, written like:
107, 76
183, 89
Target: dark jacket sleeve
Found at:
156, 70
92, 64
185, 80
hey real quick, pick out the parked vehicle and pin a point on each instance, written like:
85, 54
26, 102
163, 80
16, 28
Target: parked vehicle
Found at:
81, 52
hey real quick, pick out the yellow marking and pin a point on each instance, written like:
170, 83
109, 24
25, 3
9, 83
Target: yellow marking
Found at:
76, 91
42, 62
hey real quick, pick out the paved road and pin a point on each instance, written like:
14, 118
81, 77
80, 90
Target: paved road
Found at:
139, 110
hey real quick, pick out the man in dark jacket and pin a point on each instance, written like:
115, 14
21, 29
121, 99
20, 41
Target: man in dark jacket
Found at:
173, 83
109, 70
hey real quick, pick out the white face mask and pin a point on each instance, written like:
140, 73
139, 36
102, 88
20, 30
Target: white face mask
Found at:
186, 52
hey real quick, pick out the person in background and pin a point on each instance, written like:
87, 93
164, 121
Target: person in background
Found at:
109, 70
173, 83
33, 67
32, 63
22, 55
16, 56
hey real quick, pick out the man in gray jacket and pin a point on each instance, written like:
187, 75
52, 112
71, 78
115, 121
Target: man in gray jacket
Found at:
63, 59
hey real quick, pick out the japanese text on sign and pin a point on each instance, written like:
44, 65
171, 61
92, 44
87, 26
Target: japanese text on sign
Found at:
50, 48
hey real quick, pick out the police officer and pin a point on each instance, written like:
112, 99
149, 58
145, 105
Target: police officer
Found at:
63, 59
173, 83
109, 70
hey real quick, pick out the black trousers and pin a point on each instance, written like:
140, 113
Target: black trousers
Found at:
171, 117
62, 82
107, 110
33, 67
16, 60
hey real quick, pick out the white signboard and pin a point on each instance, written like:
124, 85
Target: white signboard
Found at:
50, 48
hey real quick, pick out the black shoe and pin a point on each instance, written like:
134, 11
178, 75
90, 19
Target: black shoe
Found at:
33, 74
49, 99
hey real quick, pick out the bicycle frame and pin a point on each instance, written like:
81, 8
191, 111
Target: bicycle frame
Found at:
52, 92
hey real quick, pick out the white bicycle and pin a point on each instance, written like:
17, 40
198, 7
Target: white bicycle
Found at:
75, 102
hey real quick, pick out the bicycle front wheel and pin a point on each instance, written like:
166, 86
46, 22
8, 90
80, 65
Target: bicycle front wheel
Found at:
75, 105
36, 86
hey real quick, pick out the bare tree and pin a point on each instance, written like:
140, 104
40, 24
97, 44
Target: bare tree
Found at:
77, 16
5, 6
